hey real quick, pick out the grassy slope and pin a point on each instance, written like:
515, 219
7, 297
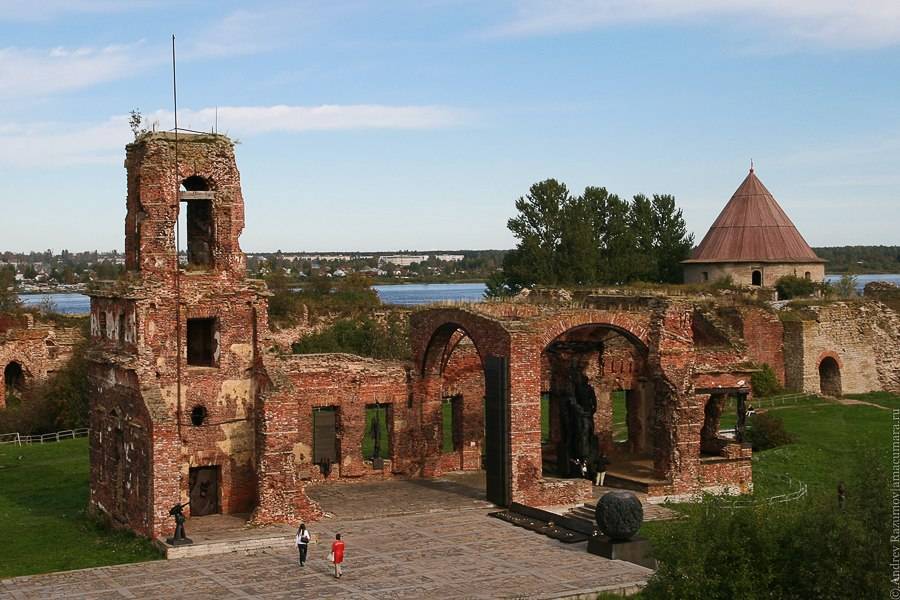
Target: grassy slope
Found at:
43, 524
827, 438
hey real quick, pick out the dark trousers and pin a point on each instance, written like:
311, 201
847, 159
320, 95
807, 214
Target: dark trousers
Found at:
302, 548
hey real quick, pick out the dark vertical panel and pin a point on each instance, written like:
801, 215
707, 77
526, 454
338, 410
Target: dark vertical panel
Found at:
204, 493
324, 436
496, 425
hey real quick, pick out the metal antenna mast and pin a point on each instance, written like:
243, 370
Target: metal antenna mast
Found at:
177, 251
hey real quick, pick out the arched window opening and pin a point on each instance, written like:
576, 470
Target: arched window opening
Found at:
807, 275
14, 379
756, 278
830, 377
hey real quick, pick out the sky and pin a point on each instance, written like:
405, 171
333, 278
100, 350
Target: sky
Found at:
415, 125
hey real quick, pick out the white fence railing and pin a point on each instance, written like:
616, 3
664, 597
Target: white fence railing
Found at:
796, 490
18, 439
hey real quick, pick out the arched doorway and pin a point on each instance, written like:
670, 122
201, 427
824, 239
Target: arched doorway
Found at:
756, 278
601, 403
13, 381
830, 377
463, 397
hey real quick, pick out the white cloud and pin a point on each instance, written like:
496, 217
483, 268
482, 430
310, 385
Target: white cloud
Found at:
249, 120
27, 72
52, 145
56, 144
836, 23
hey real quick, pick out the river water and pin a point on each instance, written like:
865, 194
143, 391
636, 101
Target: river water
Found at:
411, 294
404, 295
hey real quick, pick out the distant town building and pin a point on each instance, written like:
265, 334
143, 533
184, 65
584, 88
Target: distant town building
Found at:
402, 260
754, 242
449, 257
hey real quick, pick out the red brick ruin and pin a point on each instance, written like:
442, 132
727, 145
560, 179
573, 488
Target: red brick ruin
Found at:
192, 401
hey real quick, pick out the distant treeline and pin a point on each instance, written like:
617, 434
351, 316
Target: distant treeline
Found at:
861, 259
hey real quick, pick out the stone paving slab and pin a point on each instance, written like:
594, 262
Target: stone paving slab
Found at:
449, 554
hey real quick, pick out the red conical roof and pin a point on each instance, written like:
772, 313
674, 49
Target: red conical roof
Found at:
753, 228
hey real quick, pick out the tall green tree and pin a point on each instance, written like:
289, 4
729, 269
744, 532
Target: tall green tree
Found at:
644, 256
538, 226
673, 243
596, 237
9, 298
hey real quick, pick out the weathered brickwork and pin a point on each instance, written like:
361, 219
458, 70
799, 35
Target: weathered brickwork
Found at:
861, 338
187, 376
186, 399
299, 385
30, 351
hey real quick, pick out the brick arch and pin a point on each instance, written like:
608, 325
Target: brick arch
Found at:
623, 323
432, 331
830, 354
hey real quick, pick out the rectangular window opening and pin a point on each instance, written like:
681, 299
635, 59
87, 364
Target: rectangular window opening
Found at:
197, 225
202, 342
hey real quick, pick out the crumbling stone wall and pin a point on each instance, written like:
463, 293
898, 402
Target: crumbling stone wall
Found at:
41, 348
862, 337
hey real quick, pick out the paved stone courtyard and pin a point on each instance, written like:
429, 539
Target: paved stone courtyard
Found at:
405, 539
450, 554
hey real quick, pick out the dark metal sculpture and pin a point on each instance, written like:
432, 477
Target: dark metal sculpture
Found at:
619, 515
377, 462
376, 433
179, 538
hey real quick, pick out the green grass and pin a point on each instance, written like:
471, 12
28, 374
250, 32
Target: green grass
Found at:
545, 418
368, 443
620, 414
447, 426
885, 399
43, 525
827, 437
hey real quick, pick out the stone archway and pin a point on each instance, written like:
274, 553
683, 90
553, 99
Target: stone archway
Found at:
436, 336
594, 361
830, 376
13, 381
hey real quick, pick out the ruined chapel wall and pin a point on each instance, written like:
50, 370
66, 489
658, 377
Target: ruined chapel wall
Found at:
120, 446
763, 333
301, 383
863, 337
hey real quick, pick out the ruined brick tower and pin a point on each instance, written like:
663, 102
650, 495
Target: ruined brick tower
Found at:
174, 344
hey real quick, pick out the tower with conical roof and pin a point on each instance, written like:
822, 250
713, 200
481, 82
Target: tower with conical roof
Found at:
754, 242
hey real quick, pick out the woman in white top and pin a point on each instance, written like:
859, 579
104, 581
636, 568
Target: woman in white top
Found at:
302, 542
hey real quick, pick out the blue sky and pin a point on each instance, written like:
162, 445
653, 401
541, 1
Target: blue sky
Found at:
416, 125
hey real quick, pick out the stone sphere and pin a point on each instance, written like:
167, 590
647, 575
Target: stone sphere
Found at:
619, 515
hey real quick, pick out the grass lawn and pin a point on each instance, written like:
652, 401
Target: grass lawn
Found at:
43, 525
828, 438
